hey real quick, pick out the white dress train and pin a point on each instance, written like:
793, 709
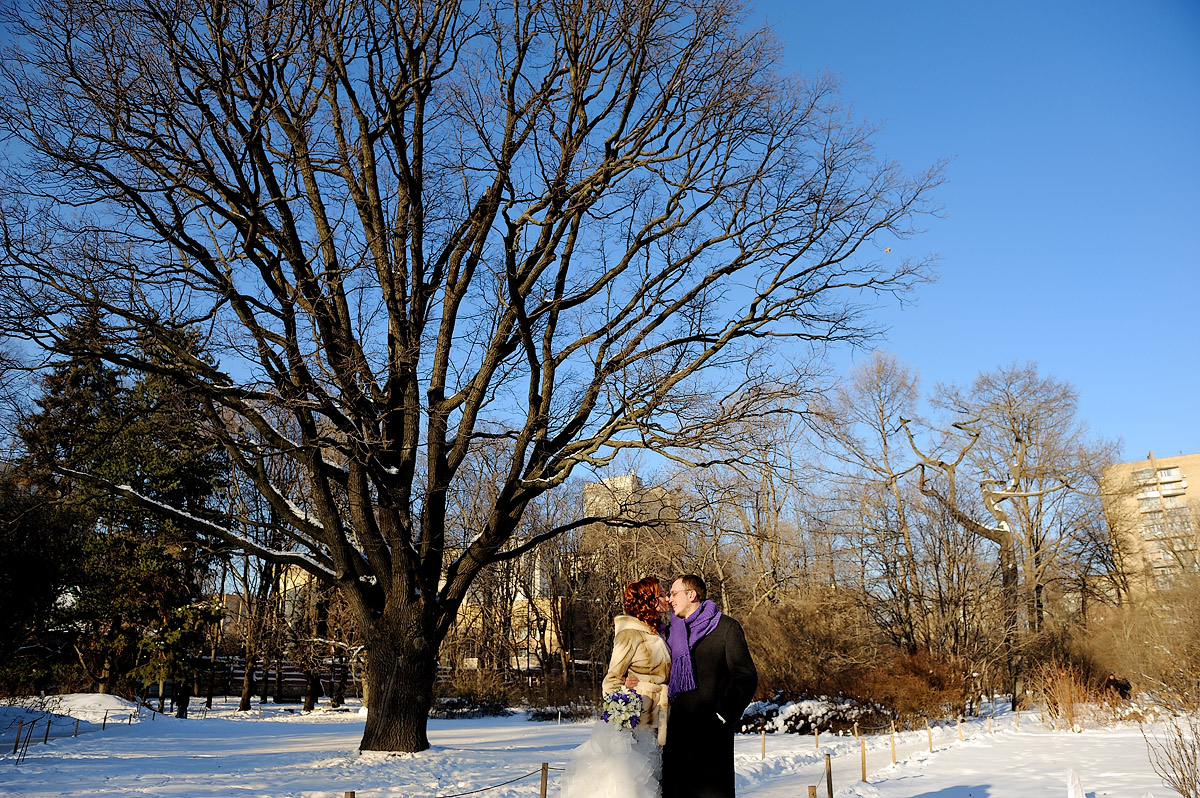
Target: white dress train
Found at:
615, 763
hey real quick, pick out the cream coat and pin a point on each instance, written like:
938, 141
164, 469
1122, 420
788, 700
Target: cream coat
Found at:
639, 651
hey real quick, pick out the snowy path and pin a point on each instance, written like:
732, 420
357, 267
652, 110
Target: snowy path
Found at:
289, 755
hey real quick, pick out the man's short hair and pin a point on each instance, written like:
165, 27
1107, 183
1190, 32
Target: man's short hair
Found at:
693, 582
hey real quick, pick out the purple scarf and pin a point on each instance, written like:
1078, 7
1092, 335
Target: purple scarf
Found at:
682, 637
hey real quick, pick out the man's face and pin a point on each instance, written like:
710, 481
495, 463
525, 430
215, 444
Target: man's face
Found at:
683, 601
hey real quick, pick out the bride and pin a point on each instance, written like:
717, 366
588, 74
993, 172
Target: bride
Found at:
614, 762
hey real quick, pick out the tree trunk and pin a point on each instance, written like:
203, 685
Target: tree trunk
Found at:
247, 685
1009, 579
312, 690
402, 667
181, 694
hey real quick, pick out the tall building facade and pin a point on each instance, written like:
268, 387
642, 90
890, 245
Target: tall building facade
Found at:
1153, 511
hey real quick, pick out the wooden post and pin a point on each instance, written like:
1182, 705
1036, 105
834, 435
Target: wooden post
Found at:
1018, 720
764, 745
829, 774
76, 734
893, 742
863, 744
349, 793
989, 724
545, 773
130, 721
812, 791
46, 736
855, 730
104, 723
960, 730
929, 732
17, 742
817, 737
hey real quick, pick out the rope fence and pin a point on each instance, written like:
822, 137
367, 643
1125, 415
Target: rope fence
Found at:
544, 770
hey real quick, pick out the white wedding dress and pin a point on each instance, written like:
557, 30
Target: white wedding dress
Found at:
615, 763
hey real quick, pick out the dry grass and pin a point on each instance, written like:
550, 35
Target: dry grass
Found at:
1065, 699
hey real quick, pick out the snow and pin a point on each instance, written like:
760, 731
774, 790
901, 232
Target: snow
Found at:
278, 751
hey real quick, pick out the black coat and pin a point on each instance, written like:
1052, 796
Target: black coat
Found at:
698, 755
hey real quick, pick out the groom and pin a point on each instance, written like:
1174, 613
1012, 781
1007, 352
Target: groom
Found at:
712, 681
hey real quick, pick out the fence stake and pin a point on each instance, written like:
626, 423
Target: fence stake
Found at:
855, 730
929, 731
104, 723
817, 737
545, 773
960, 730
46, 736
863, 743
349, 793
764, 747
1018, 720
17, 742
76, 734
893, 742
130, 721
812, 791
829, 774
989, 724
28, 737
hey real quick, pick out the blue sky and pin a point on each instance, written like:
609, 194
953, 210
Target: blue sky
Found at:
1071, 229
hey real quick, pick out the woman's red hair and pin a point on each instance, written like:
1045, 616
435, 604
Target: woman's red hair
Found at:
641, 601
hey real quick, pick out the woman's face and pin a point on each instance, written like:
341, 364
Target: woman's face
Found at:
661, 602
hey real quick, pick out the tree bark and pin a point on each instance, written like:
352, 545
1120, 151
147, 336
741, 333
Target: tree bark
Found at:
247, 684
402, 669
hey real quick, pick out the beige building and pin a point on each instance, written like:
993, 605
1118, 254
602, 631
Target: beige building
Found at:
1153, 511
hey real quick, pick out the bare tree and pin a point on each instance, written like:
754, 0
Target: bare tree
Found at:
417, 228
1035, 468
859, 427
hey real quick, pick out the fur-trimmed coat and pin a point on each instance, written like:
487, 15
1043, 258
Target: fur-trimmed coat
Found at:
639, 651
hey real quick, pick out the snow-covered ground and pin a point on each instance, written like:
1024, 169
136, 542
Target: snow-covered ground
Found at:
286, 754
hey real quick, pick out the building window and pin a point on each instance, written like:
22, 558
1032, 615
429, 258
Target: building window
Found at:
1170, 474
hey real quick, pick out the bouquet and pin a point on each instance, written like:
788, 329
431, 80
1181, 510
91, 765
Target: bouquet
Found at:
622, 707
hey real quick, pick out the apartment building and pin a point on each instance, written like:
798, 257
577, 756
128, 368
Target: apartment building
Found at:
1153, 511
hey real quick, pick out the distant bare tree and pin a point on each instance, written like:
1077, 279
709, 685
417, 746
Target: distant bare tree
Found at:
1036, 469
418, 228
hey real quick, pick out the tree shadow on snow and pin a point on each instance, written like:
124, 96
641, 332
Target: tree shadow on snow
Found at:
959, 791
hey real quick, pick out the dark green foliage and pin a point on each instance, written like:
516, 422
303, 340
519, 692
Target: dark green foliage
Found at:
134, 605
37, 539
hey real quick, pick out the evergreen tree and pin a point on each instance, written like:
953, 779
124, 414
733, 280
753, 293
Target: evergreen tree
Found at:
137, 603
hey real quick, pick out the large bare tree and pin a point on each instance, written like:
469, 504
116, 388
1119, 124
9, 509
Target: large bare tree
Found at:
419, 227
